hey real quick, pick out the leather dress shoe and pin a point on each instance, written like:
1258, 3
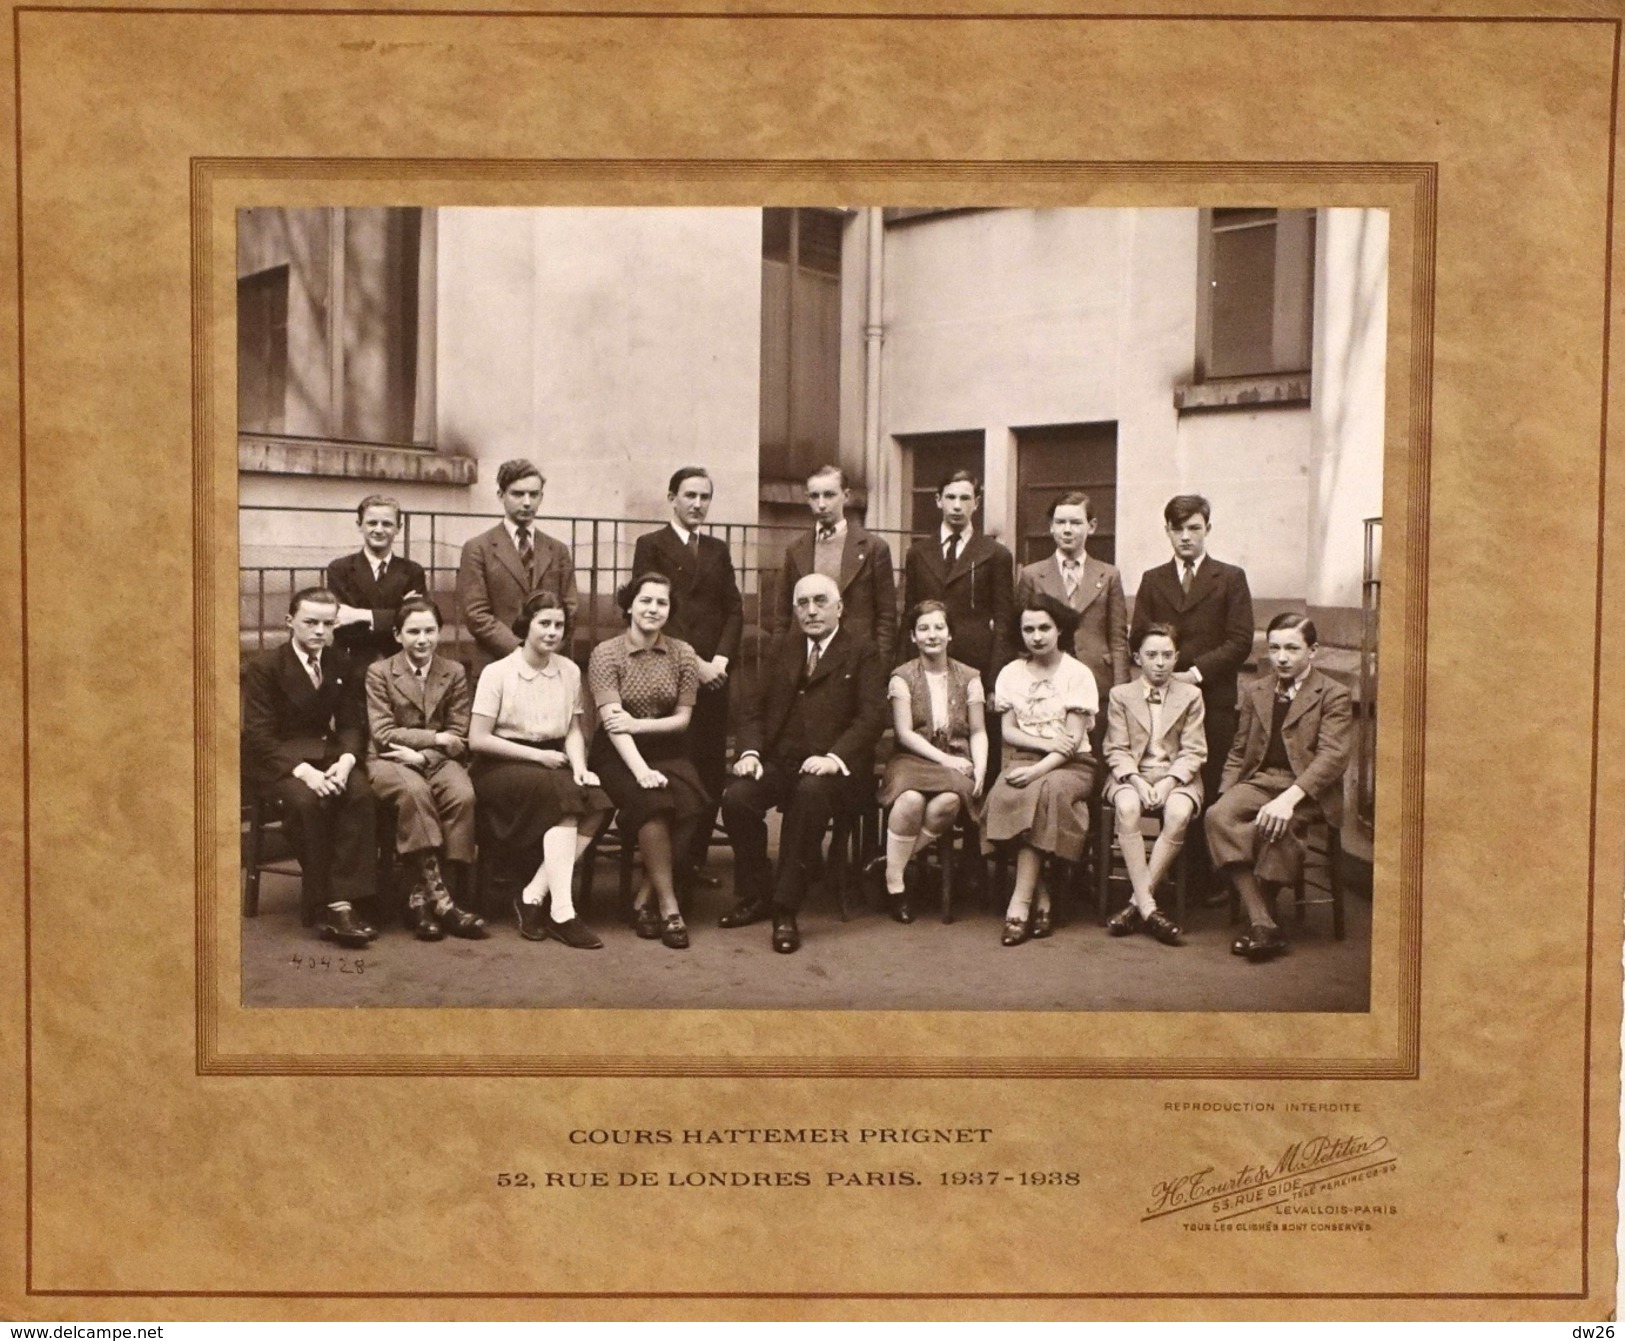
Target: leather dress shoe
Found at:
674, 933
786, 934
899, 908
574, 933
425, 925
1162, 927
341, 925
646, 922
744, 915
1016, 931
532, 920
1259, 944
1043, 923
1125, 922
461, 923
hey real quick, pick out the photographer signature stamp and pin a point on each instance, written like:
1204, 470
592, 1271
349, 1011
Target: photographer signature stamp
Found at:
1324, 1184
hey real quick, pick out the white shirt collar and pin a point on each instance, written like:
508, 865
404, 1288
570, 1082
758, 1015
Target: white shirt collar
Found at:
512, 528
840, 528
1196, 564
823, 643
683, 532
1291, 691
964, 536
305, 659
373, 561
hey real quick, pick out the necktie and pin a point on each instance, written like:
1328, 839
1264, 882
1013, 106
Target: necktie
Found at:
1187, 576
1153, 697
316, 671
826, 533
383, 567
527, 551
812, 660
1283, 693
1069, 575
950, 551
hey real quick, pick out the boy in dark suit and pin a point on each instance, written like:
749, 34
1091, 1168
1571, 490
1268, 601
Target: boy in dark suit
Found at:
857, 562
304, 731
973, 575
504, 567
706, 613
806, 746
1287, 764
372, 584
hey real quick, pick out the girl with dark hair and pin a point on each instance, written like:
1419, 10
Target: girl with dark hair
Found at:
539, 804
644, 685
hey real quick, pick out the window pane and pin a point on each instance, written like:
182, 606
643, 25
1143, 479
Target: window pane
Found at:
1243, 301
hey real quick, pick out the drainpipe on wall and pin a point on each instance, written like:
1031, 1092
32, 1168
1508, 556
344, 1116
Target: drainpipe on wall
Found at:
877, 466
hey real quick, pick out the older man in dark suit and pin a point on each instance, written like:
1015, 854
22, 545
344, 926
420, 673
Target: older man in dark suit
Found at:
504, 567
707, 614
304, 729
859, 564
1285, 767
372, 584
969, 572
806, 746
1210, 604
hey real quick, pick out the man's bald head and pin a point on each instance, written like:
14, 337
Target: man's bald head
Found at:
817, 602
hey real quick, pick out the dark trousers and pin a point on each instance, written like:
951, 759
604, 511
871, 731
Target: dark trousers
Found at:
808, 803
708, 748
333, 837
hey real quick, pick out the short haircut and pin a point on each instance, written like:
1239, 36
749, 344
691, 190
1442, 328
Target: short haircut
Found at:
920, 609
1182, 507
961, 475
417, 605
377, 501
828, 470
311, 596
1076, 499
517, 469
629, 591
542, 600
1291, 619
1167, 631
688, 473
1064, 617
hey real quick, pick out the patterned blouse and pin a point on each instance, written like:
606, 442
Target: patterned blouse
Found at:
648, 682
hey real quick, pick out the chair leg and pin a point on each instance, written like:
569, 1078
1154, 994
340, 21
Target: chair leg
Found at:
629, 844
945, 861
1103, 861
1179, 886
251, 861
1334, 856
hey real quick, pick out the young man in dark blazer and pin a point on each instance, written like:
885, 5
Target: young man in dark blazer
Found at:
304, 729
707, 614
806, 746
1210, 604
1286, 765
859, 563
372, 584
1073, 579
504, 567
973, 575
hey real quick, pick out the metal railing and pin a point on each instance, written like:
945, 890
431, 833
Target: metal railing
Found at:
283, 549
1365, 781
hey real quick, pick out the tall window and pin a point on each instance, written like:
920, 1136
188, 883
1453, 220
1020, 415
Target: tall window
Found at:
801, 341
928, 459
328, 318
1256, 292
1054, 460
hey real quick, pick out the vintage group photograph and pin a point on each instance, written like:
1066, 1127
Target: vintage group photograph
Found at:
838, 608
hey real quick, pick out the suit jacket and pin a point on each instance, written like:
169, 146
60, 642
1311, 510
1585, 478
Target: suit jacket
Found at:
350, 579
706, 612
868, 587
1101, 641
979, 591
492, 589
843, 704
1128, 729
1318, 733
402, 710
1215, 622
287, 721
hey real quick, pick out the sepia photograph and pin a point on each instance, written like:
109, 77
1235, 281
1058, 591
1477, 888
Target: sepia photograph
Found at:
842, 608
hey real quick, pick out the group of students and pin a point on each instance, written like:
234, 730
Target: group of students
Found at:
996, 715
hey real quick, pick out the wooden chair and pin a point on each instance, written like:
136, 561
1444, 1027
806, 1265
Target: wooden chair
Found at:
1109, 858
